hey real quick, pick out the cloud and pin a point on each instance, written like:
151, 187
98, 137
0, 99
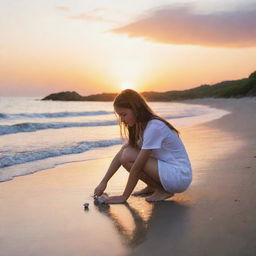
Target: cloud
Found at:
95, 15
182, 26
62, 8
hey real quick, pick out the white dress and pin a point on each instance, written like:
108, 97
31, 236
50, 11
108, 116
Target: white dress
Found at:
174, 167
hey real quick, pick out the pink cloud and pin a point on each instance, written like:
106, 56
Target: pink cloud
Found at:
95, 15
182, 26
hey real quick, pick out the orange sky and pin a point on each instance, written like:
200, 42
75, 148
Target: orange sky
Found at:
94, 48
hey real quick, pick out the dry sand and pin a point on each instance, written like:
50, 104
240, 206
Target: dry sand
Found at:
42, 213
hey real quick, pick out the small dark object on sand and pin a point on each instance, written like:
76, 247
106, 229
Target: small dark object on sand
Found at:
86, 206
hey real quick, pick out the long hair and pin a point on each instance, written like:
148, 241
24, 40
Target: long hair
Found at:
143, 114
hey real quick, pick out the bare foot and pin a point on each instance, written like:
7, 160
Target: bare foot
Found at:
145, 191
159, 195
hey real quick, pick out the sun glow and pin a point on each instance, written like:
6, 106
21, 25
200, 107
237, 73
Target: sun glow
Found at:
127, 85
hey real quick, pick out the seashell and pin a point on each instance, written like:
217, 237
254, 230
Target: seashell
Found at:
101, 200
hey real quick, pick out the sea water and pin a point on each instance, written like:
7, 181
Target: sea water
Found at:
37, 135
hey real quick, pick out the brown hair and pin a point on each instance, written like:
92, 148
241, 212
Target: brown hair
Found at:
143, 113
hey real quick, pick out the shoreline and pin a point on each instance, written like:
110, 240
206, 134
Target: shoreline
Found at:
27, 168
42, 213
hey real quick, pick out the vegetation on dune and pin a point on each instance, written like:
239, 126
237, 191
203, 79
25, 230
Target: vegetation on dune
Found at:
245, 87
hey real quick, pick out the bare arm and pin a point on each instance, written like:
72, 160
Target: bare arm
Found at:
133, 177
135, 170
114, 166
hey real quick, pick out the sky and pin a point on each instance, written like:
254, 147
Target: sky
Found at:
96, 46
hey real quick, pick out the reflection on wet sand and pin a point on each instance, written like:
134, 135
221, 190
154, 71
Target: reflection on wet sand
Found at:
137, 220
130, 220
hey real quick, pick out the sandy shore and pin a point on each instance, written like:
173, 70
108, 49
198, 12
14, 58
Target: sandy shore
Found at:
42, 213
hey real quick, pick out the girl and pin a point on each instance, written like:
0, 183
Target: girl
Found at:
154, 153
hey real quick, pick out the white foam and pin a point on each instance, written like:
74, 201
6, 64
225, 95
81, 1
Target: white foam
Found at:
32, 146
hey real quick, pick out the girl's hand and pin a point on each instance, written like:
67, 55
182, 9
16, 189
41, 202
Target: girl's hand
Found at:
100, 189
115, 200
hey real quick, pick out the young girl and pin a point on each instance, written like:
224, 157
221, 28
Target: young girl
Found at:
154, 153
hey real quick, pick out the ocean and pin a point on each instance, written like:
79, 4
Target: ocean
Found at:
37, 135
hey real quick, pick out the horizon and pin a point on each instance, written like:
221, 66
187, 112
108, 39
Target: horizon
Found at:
105, 47
24, 96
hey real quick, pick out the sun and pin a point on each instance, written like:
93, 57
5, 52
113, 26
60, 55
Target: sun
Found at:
127, 85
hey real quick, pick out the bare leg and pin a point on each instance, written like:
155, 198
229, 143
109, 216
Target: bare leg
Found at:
159, 195
144, 192
151, 184
149, 175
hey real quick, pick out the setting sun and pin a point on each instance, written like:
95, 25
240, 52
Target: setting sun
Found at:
127, 85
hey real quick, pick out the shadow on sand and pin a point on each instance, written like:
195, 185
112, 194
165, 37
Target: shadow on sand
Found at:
141, 221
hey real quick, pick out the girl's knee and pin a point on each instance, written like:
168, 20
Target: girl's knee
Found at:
128, 155
124, 158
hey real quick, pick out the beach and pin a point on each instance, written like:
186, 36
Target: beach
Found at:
43, 213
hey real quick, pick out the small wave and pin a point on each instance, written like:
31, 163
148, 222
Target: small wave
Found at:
32, 127
53, 115
3, 116
14, 158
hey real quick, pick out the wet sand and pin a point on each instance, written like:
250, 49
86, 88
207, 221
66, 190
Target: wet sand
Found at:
42, 213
